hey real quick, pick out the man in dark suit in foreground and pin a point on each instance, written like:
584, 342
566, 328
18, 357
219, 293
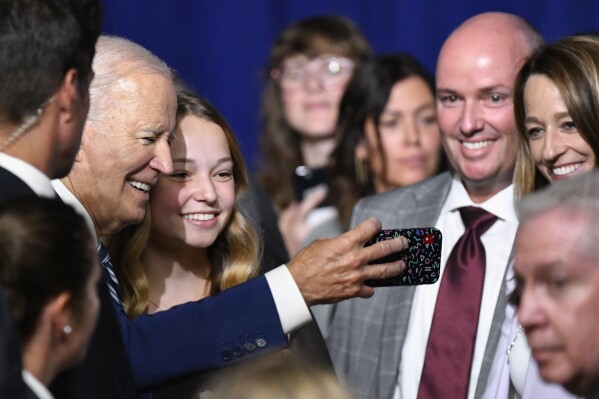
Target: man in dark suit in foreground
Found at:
46, 49
123, 152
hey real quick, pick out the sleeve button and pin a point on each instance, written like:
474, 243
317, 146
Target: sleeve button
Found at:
226, 355
237, 350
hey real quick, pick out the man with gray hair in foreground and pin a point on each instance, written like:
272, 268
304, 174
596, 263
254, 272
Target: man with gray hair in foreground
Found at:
124, 150
557, 274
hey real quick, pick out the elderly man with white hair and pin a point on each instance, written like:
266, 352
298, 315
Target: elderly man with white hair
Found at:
557, 274
125, 148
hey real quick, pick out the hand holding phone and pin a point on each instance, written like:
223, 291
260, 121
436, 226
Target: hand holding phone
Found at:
422, 257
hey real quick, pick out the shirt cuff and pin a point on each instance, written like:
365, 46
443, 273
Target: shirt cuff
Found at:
292, 309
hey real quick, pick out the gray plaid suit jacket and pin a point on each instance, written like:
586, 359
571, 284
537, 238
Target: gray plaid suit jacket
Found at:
367, 335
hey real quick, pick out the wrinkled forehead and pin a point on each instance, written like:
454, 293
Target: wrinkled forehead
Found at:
144, 101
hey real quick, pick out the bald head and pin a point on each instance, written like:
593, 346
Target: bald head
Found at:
490, 33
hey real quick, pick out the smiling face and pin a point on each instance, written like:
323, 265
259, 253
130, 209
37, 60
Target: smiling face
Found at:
476, 73
556, 146
311, 108
559, 305
194, 204
122, 156
409, 137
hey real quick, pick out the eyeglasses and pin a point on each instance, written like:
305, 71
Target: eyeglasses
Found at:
331, 71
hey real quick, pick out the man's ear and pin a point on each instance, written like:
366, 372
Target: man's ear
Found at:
68, 96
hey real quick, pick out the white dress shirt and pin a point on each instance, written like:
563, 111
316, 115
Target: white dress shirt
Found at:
32, 176
291, 307
498, 241
36, 386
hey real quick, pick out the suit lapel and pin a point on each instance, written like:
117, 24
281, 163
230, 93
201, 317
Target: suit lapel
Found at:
494, 334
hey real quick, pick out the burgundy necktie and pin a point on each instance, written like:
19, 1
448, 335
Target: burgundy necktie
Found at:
451, 341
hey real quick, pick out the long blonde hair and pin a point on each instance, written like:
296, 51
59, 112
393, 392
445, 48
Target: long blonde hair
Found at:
234, 256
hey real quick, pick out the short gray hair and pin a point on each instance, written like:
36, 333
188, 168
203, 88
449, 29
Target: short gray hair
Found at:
115, 59
577, 194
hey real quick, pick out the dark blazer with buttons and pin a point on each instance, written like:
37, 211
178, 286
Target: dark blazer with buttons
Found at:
11, 383
237, 324
366, 336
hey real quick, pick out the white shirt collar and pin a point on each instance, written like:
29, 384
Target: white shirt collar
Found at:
69, 198
500, 205
36, 386
32, 176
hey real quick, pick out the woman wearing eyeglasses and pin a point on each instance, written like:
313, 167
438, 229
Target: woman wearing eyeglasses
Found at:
309, 68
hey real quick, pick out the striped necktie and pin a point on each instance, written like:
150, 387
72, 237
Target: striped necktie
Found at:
111, 281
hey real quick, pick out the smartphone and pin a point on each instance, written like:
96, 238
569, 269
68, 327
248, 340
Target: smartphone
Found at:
422, 257
305, 179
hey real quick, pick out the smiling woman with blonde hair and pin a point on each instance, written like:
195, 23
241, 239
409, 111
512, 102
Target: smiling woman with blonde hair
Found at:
556, 103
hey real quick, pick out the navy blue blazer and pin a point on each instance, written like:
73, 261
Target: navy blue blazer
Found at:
237, 324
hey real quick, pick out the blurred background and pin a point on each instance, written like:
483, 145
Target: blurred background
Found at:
220, 47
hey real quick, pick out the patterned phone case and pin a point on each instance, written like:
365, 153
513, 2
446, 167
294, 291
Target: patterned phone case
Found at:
422, 257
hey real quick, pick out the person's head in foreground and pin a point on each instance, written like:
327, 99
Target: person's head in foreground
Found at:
49, 269
557, 269
280, 376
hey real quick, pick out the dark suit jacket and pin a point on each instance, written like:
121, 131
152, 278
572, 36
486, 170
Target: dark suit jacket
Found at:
11, 187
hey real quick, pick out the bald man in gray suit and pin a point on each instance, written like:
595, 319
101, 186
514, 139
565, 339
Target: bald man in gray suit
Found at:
378, 345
